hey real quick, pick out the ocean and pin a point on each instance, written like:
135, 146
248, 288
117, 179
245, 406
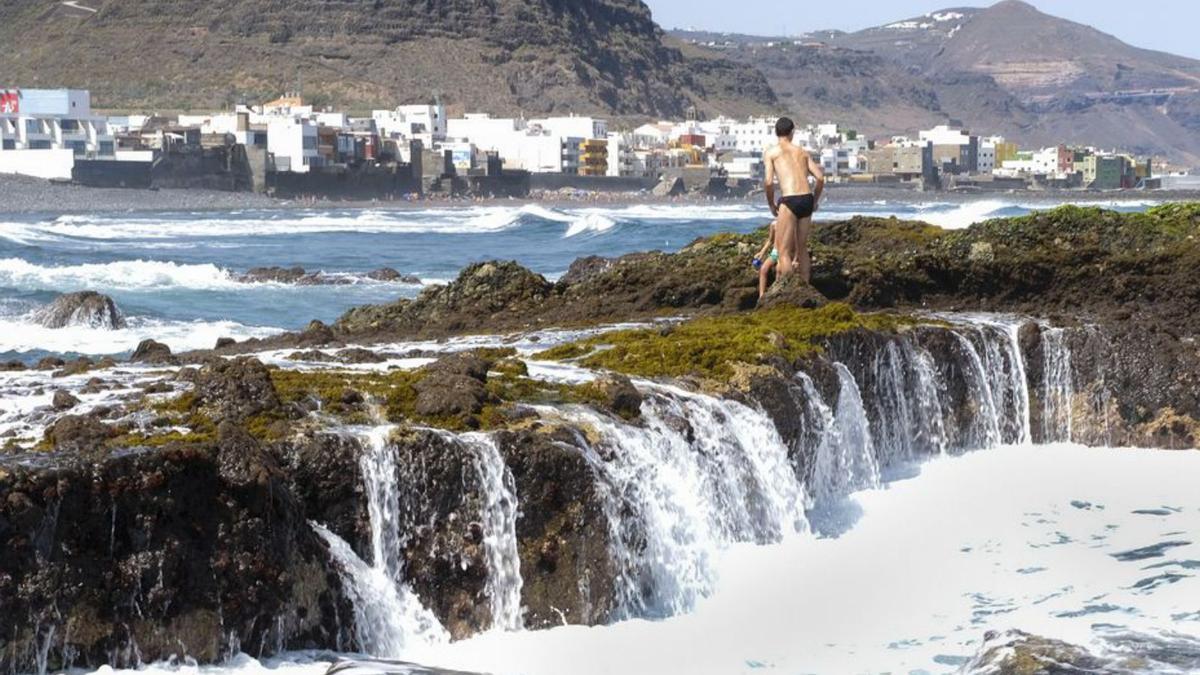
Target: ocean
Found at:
175, 274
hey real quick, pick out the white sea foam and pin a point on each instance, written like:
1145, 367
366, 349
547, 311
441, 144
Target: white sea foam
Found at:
1016, 537
590, 223
21, 335
121, 275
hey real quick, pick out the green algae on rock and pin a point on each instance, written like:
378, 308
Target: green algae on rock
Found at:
710, 347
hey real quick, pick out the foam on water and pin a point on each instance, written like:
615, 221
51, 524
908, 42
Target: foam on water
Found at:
21, 336
920, 579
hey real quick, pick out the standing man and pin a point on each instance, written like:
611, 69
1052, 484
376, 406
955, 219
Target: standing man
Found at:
792, 165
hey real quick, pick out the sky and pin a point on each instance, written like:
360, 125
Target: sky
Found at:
1165, 25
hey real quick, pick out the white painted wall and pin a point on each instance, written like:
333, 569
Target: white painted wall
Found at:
48, 164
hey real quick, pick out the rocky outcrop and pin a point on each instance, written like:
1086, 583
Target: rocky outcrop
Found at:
86, 309
190, 551
151, 351
298, 276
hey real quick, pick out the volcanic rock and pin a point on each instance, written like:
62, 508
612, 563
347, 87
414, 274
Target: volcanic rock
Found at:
86, 309
151, 351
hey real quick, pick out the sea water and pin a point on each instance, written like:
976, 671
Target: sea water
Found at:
175, 274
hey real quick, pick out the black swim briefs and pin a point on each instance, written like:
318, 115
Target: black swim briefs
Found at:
801, 205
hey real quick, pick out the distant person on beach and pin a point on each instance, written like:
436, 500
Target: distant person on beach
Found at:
792, 166
764, 262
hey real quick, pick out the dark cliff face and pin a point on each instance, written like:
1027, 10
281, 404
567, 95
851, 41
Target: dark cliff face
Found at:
502, 56
178, 548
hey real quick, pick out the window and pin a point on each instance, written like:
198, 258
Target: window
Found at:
70, 125
106, 147
310, 143
78, 147
9, 144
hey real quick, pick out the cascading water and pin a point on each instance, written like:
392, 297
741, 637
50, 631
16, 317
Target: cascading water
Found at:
701, 474
389, 620
499, 516
843, 453
908, 403
996, 351
1058, 387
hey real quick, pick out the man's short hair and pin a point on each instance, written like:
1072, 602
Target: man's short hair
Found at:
784, 127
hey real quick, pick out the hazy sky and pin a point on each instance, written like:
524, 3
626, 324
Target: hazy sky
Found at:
1166, 25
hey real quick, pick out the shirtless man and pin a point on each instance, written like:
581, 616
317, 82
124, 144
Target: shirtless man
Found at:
792, 165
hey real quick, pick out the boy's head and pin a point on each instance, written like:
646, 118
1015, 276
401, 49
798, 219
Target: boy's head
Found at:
785, 127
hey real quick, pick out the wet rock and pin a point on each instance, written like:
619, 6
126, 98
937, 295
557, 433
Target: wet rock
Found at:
82, 434
13, 365
461, 363
63, 400
360, 355
1019, 653
390, 275
76, 367
234, 561
791, 290
236, 389
449, 395
312, 356
274, 274
562, 534
152, 351
223, 342
620, 395
316, 335
50, 363
585, 268
84, 308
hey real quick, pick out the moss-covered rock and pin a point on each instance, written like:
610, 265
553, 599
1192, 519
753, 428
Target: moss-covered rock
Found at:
711, 347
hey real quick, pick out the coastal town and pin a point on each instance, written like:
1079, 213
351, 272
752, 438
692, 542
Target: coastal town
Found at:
290, 148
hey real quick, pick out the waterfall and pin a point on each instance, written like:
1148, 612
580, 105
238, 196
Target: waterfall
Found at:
843, 459
908, 403
986, 422
499, 516
699, 475
1058, 387
389, 619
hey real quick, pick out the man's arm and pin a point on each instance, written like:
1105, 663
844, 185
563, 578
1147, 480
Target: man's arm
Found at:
817, 172
769, 182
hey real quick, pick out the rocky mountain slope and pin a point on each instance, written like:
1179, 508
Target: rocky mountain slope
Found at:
505, 56
1006, 69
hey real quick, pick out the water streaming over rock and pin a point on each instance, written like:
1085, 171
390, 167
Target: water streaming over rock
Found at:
700, 474
1058, 387
908, 403
499, 516
389, 618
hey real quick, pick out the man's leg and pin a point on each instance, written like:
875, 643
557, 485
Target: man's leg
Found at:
803, 260
785, 240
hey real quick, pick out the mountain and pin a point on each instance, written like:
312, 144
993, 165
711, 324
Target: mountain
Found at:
503, 56
1007, 69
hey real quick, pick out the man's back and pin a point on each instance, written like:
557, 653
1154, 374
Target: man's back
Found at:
790, 165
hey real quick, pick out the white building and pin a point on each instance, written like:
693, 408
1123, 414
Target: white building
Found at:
622, 160
43, 131
653, 135
987, 156
293, 143
572, 127
426, 123
945, 135
755, 135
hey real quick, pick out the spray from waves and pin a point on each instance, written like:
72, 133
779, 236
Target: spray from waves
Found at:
124, 275
449, 220
20, 335
140, 275
591, 223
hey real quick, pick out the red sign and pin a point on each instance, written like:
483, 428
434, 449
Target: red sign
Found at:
10, 102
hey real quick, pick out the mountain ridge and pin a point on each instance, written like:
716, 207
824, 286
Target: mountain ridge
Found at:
503, 56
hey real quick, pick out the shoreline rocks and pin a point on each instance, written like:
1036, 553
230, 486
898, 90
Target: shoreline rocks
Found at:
298, 276
87, 309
